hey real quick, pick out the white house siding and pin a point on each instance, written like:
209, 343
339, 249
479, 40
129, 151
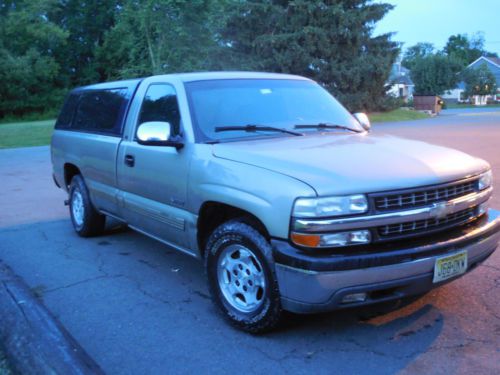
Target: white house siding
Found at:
455, 94
399, 90
493, 65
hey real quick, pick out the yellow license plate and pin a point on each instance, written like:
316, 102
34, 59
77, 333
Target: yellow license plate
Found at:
450, 266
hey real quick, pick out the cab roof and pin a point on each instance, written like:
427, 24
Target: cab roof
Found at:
131, 84
204, 76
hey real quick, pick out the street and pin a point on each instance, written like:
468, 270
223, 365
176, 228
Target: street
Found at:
138, 307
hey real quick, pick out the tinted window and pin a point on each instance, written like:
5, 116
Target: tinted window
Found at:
67, 112
101, 111
160, 104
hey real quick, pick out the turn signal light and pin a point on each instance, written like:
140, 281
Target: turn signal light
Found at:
309, 240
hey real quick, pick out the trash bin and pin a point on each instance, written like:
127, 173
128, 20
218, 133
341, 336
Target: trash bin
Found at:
432, 103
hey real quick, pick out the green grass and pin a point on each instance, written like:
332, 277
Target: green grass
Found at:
451, 105
397, 115
25, 134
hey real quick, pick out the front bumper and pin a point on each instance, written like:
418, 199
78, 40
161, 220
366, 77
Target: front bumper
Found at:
314, 282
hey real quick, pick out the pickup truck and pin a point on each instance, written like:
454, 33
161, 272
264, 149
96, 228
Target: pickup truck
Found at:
288, 199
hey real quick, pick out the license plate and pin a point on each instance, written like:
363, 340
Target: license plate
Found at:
449, 266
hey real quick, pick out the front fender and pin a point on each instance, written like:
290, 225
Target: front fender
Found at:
266, 194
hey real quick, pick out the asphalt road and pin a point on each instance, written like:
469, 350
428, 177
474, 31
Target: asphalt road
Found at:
139, 307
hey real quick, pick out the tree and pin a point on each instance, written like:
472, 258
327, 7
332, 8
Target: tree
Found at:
434, 74
85, 24
413, 53
466, 49
28, 68
328, 41
49, 46
161, 36
479, 81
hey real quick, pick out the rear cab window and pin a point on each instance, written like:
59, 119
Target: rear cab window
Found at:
101, 111
68, 110
97, 110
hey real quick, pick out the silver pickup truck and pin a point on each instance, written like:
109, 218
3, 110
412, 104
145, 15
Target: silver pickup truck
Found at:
287, 198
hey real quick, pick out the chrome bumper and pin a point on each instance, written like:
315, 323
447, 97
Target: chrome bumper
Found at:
311, 289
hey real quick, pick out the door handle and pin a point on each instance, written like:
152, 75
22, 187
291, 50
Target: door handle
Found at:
129, 160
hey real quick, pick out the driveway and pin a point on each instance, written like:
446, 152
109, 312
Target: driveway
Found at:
139, 307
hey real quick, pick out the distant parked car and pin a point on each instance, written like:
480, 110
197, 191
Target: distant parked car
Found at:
285, 196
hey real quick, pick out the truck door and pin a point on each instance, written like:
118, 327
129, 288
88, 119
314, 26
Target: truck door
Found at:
153, 179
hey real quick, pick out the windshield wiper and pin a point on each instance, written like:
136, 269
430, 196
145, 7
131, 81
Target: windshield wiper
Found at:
254, 128
326, 126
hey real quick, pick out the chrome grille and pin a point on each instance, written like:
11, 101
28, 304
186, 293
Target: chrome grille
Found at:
416, 227
423, 197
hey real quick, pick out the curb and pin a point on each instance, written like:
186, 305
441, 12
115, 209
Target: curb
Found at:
34, 341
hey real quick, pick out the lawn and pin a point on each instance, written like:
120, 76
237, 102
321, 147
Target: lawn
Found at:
397, 115
25, 134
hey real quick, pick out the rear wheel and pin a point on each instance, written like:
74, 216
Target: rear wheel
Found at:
87, 221
241, 277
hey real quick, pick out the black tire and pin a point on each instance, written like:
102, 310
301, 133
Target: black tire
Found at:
91, 222
268, 314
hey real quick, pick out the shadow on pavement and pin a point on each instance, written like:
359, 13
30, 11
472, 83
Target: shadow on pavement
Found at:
135, 304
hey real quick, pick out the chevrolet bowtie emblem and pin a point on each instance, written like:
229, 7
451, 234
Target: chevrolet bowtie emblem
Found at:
441, 210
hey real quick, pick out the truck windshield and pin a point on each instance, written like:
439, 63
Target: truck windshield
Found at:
278, 103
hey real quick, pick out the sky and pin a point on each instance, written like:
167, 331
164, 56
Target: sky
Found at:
435, 20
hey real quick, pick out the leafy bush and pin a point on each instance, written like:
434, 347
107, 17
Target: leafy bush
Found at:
434, 74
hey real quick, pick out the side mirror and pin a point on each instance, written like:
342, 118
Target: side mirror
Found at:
157, 133
363, 120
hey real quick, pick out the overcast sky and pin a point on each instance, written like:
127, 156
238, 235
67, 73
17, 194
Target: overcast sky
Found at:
435, 20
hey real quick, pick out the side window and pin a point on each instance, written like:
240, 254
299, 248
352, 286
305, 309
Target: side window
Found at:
160, 104
68, 110
101, 111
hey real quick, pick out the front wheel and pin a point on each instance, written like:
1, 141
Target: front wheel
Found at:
241, 277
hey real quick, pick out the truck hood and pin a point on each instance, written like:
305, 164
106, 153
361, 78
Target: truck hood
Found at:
333, 163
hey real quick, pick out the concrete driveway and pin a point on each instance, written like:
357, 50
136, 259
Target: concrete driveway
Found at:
138, 307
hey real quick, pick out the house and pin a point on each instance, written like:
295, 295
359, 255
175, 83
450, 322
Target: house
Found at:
401, 85
493, 64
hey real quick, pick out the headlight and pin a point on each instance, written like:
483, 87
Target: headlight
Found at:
330, 206
485, 180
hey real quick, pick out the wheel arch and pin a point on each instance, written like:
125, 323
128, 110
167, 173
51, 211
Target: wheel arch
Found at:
70, 171
214, 213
